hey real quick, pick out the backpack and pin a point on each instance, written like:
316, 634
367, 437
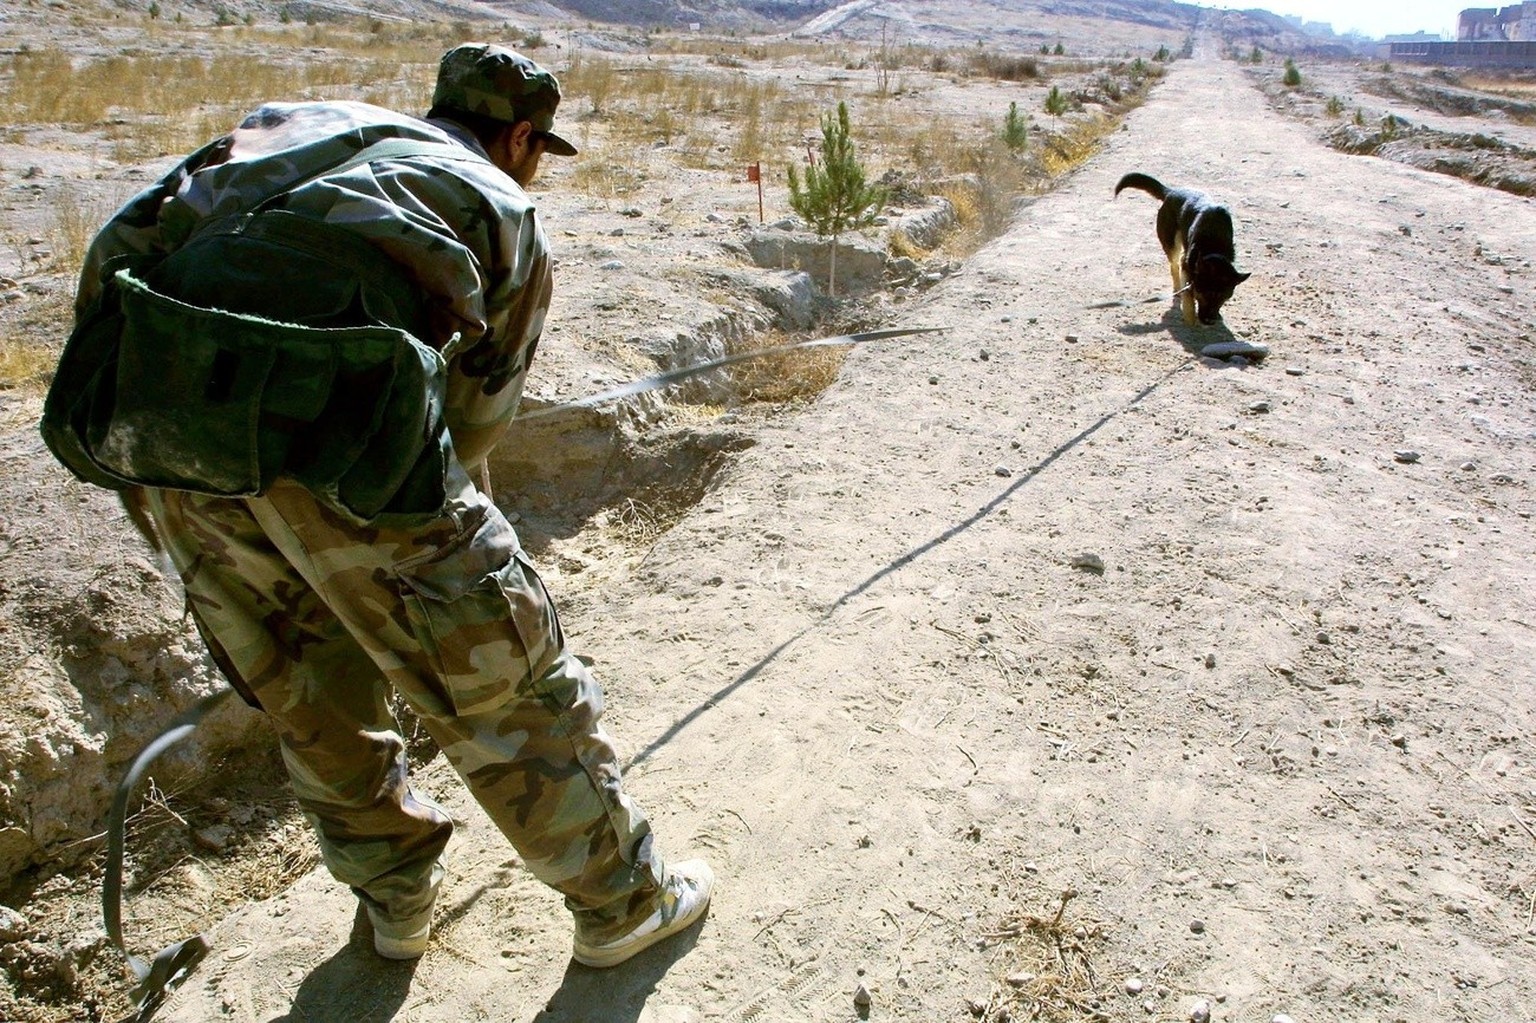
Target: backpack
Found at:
177, 379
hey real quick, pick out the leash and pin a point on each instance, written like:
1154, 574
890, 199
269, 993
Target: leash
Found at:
660, 380
174, 963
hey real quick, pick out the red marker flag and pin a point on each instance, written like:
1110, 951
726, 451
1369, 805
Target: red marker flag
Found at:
754, 172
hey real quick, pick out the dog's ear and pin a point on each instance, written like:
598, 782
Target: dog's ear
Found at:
1243, 277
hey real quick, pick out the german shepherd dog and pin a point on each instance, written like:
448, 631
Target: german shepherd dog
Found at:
1196, 235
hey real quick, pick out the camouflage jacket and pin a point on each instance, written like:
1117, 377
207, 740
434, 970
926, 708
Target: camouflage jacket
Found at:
463, 229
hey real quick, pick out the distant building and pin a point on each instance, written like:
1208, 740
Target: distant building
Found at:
1515, 23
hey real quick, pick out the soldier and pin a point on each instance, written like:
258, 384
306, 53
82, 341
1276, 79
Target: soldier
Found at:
317, 591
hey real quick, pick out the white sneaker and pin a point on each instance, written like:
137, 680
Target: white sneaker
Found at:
684, 899
399, 941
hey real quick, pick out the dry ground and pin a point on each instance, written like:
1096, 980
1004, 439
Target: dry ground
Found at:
1278, 750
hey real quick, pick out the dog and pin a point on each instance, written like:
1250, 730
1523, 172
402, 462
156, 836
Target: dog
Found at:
1197, 237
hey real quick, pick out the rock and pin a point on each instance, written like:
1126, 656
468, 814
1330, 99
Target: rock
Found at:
1200, 1012
927, 227
1210, 660
860, 261
1281, 1017
1294, 371
1400, 740
214, 838
1071, 339
1089, 562
612, 264
714, 218
861, 997
1228, 349
1005, 472
631, 211
1405, 455
13, 926
1134, 985
1259, 408
1020, 978
1197, 926
790, 294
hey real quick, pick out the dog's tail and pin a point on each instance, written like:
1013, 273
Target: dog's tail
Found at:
1147, 184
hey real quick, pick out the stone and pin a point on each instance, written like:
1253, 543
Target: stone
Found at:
1134, 985
861, 262
1200, 1012
13, 926
1088, 562
1228, 349
861, 997
1406, 455
215, 838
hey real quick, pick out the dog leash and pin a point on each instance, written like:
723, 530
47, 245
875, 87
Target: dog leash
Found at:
660, 380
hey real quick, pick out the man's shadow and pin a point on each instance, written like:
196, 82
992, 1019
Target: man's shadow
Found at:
356, 986
617, 994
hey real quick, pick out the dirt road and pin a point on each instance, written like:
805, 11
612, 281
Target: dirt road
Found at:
1280, 747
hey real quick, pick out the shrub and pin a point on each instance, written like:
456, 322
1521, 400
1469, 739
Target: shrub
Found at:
1292, 76
836, 197
1056, 103
1335, 106
1015, 133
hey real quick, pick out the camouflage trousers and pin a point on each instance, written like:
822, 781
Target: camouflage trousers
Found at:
314, 618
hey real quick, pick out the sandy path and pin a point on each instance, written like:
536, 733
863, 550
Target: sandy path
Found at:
864, 678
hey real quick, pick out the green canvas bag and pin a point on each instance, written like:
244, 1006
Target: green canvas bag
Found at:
176, 379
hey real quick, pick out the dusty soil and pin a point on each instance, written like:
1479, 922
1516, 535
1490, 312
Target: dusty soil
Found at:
1266, 751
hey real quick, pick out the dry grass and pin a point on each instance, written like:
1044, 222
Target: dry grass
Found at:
31, 339
782, 377
1048, 973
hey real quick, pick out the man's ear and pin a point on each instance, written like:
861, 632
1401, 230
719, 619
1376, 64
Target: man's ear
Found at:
518, 133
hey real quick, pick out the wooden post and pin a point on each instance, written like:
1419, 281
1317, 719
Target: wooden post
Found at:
755, 173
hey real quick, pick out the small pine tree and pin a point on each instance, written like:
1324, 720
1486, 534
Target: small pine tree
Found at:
835, 197
1015, 133
1257, 56
1060, 50
1162, 54
1055, 103
1292, 76
1335, 106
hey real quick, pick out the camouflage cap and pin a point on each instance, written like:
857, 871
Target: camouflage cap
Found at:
502, 84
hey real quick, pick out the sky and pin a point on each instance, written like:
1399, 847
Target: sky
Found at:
1375, 18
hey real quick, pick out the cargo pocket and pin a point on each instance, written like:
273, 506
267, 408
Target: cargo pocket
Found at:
481, 617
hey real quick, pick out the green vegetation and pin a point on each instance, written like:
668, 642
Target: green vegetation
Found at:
835, 197
1292, 76
1015, 133
1056, 102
